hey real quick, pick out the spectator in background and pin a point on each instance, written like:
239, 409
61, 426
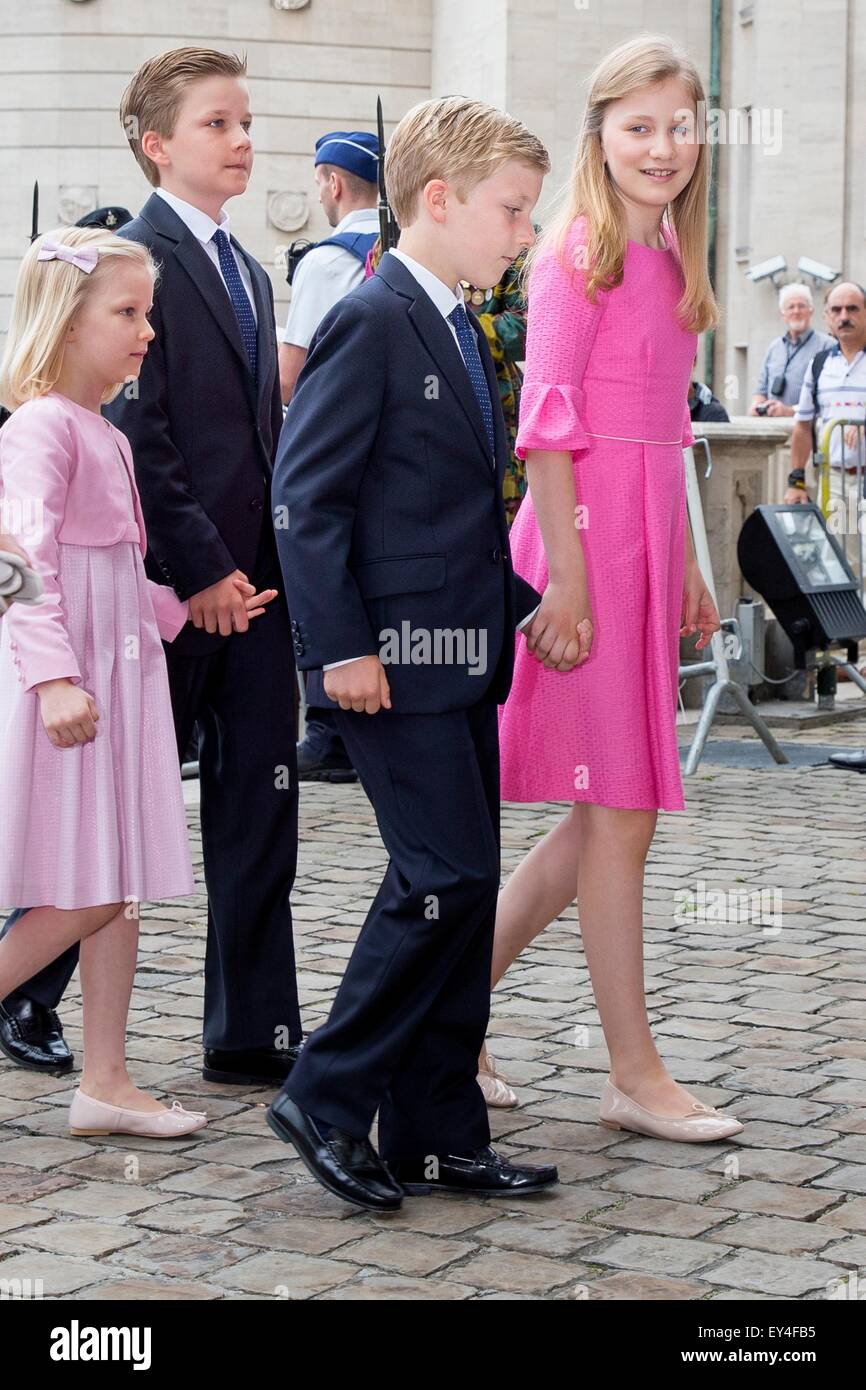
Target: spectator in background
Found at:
838, 393
784, 366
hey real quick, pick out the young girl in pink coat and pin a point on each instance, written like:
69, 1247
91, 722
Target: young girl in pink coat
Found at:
92, 806
618, 290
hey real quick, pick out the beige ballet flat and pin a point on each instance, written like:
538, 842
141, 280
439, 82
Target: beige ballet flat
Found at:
495, 1089
96, 1117
701, 1125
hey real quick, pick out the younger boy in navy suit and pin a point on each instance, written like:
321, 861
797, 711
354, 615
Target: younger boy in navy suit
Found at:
394, 548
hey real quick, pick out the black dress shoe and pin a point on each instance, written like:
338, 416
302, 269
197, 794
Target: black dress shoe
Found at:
257, 1066
32, 1035
346, 1166
313, 767
854, 762
484, 1173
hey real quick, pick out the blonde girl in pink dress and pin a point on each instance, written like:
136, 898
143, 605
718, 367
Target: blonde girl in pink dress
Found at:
618, 290
90, 791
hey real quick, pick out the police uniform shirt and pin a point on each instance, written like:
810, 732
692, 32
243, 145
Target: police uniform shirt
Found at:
323, 277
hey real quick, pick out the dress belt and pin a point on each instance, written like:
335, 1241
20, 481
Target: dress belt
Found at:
630, 439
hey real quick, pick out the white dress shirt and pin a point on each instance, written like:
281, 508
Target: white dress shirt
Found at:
324, 277
446, 301
203, 227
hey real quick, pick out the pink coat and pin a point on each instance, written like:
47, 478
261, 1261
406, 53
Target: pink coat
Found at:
59, 485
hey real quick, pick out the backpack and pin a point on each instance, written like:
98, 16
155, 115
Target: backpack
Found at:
358, 244
817, 367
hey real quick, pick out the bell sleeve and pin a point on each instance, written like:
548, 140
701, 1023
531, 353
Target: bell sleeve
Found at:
562, 327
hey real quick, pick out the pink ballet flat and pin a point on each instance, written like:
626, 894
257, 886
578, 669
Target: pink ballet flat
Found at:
495, 1089
96, 1117
701, 1125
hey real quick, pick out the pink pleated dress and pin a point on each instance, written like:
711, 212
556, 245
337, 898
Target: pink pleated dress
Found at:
607, 382
102, 822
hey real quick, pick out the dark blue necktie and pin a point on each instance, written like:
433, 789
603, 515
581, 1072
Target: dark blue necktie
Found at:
239, 298
472, 357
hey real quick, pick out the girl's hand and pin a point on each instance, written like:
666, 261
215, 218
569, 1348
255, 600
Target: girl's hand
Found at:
254, 603
560, 634
11, 546
69, 714
698, 611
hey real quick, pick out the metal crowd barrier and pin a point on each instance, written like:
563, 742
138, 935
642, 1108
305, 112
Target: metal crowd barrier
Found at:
851, 490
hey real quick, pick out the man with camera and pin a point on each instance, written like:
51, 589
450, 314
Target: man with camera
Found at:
787, 357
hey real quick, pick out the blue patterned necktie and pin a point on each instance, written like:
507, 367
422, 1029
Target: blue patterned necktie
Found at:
239, 297
472, 357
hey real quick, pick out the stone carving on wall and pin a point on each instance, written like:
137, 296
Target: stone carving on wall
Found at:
75, 200
288, 211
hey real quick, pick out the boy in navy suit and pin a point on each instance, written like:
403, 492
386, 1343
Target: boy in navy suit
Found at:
394, 547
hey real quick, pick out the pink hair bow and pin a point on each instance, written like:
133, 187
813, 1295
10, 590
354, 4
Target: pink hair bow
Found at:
85, 257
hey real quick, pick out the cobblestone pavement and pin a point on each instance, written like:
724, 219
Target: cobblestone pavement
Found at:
772, 1025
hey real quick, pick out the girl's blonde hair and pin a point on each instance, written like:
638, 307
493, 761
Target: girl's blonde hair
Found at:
48, 295
641, 62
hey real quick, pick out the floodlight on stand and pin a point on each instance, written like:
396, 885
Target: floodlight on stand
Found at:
788, 556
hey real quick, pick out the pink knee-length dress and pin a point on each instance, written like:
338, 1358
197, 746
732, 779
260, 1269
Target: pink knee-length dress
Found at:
104, 821
607, 382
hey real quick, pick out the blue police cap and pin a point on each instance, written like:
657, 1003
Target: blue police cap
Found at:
355, 150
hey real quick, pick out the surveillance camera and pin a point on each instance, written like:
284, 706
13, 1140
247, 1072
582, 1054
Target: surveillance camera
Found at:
818, 270
767, 270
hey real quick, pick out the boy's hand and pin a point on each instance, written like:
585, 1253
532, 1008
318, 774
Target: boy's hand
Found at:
560, 634
69, 714
360, 685
222, 606
699, 611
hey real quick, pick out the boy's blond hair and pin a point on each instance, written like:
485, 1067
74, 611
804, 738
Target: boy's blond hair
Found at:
457, 139
48, 295
153, 97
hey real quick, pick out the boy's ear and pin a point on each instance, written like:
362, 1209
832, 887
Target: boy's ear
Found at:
151, 144
434, 197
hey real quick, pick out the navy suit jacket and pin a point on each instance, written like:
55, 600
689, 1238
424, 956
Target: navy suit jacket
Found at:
203, 432
388, 507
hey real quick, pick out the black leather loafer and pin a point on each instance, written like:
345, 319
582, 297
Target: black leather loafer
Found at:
484, 1173
346, 1166
259, 1066
854, 761
312, 767
32, 1036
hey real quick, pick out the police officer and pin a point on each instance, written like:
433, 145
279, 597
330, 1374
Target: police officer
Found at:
346, 177
345, 173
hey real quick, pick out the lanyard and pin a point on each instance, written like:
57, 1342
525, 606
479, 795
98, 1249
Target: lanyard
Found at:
789, 356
